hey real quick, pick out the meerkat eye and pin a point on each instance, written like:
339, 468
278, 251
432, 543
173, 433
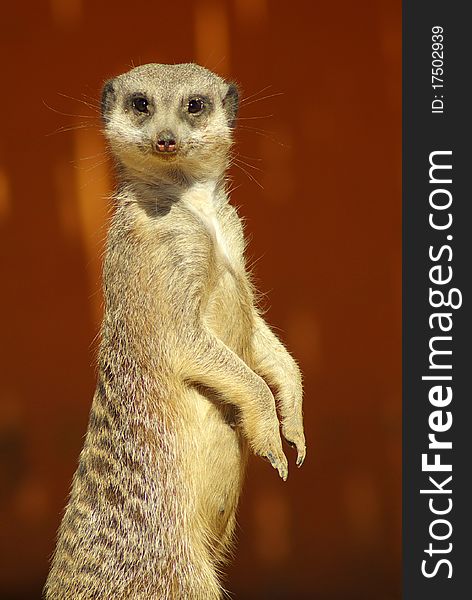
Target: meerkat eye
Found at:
141, 104
195, 106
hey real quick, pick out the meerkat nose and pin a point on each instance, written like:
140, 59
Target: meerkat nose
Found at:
166, 142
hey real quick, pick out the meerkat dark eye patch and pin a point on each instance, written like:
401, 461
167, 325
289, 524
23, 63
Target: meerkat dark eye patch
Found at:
108, 99
140, 104
231, 103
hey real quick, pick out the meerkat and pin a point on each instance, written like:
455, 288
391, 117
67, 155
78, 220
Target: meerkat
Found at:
186, 362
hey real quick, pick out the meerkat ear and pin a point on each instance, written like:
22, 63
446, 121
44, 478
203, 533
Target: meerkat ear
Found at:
231, 103
108, 99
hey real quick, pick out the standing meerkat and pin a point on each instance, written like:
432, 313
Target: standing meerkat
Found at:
185, 360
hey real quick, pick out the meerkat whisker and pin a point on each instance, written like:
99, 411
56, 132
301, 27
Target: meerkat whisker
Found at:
246, 98
67, 114
264, 98
237, 164
255, 117
95, 106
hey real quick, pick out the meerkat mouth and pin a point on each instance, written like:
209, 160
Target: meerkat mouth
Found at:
167, 156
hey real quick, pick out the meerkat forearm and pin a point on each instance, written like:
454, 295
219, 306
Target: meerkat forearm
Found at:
211, 363
278, 368
275, 364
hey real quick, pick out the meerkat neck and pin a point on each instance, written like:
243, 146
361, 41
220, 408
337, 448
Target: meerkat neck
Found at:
163, 191
169, 175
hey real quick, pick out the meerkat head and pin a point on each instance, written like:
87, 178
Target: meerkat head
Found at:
170, 120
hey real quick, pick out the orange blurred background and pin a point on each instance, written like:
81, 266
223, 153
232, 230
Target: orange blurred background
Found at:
324, 220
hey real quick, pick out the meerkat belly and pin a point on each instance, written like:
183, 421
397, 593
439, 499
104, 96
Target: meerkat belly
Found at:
222, 452
217, 463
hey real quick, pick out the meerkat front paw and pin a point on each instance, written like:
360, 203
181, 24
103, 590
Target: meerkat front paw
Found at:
265, 440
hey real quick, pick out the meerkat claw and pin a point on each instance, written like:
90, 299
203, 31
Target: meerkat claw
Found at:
280, 466
301, 453
295, 439
283, 473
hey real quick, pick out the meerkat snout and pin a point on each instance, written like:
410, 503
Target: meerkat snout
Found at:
166, 142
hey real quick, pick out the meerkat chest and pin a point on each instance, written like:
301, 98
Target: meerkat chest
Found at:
200, 200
